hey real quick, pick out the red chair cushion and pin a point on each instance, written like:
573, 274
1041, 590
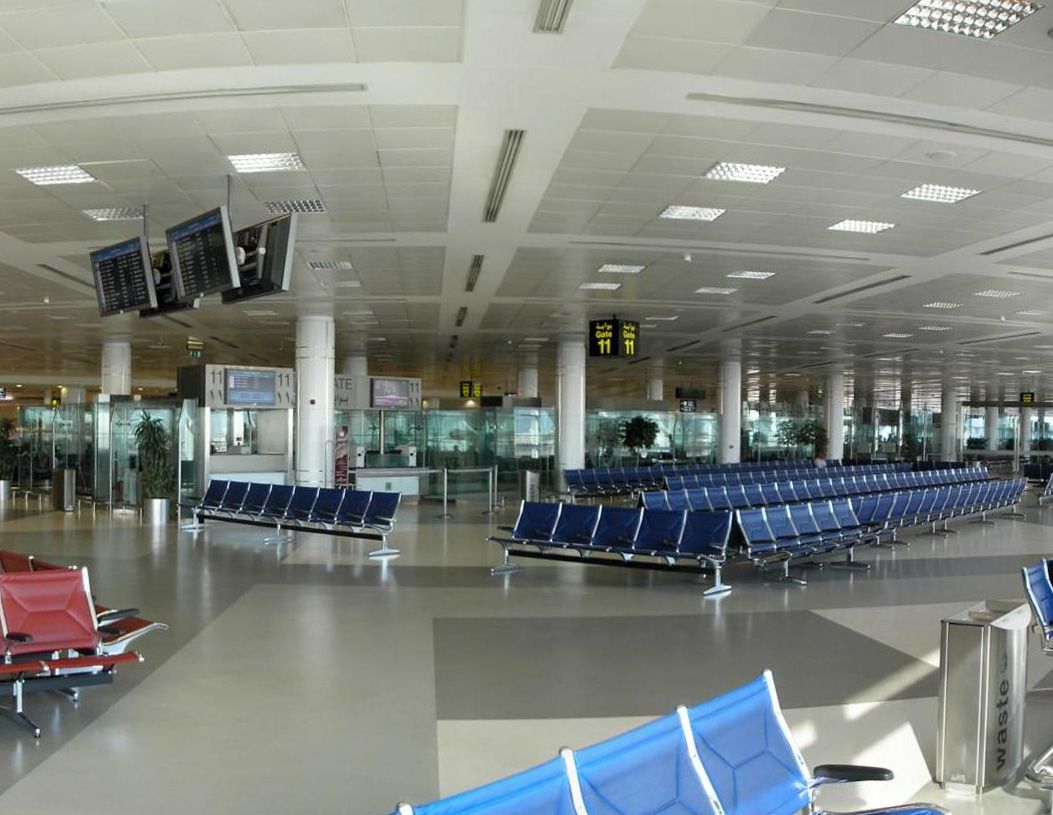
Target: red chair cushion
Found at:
14, 561
53, 607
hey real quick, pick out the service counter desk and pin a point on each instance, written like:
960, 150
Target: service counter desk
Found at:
407, 480
264, 469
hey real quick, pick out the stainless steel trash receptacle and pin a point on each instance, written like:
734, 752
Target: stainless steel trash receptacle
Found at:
64, 490
530, 485
983, 681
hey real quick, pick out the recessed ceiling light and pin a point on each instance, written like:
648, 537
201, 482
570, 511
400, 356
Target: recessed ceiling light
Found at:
114, 213
680, 212
1032, 313
934, 328
535, 339
600, 286
648, 325
329, 265
664, 317
982, 19
620, 268
942, 304
348, 284
304, 206
895, 335
376, 339
1005, 373
821, 331
262, 312
939, 194
866, 227
1001, 294
1032, 372
715, 290
748, 275
266, 162
851, 325
747, 173
65, 174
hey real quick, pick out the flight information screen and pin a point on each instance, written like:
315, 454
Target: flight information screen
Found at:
202, 251
124, 280
252, 387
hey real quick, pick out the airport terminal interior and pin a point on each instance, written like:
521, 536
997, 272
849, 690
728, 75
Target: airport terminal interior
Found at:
526, 407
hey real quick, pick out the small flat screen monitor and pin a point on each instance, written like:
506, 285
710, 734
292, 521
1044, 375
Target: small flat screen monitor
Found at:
265, 254
202, 252
124, 278
252, 388
389, 393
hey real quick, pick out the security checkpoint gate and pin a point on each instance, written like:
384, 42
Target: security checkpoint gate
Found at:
983, 682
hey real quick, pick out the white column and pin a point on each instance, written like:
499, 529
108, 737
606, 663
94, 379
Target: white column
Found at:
356, 366
991, 427
570, 401
315, 370
655, 389
1026, 416
948, 423
528, 387
834, 414
117, 368
730, 411
74, 395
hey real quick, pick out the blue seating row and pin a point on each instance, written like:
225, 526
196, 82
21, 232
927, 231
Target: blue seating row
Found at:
730, 755
581, 531
353, 513
1040, 596
1047, 491
708, 499
679, 482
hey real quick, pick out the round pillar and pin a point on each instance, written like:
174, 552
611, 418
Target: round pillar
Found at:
527, 386
74, 395
991, 427
315, 370
730, 411
117, 368
356, 367
834, 416
948, 423
1027, 415
655, 389
570, 401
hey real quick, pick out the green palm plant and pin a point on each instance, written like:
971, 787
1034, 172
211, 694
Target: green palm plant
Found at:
155, 455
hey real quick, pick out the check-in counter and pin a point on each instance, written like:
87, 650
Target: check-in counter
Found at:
268, 469
407, 480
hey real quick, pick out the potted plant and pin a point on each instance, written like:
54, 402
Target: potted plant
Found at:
155, 461
8, 458
639, 434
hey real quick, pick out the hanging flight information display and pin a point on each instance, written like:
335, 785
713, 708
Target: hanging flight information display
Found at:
268, 258
124, 279
202, 252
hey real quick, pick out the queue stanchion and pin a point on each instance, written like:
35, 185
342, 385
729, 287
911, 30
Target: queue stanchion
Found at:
445, 493
491, 490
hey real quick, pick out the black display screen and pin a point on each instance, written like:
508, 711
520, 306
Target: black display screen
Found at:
252, 387
390, 393
202, 251
267, 265
124, 280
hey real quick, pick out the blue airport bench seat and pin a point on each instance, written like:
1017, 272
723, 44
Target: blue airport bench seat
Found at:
660, 539
731, 755
1040, 597
1047, 491
346, 512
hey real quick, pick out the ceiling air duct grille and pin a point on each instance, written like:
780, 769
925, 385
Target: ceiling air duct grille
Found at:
474, 268
999, 249
462, 314
506, 162
1002, 338
552, 16
858, 289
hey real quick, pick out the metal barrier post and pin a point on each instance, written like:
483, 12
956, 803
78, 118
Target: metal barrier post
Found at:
445, 491
491, 483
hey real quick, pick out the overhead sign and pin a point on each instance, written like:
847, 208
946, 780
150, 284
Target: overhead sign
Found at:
613, 338
1027, 397
470, 389
688, 406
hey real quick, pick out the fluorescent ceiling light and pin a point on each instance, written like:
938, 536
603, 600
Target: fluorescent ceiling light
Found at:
1001, 294
747, 173
329, 265
1032, 313
895, 335
715, 290
1005, 373
261, 312
934, 328
748, 275
266, 162
620, 268
850, 325
939, 194
680, 212
1032, 372
866, 227
982, 19
304, 206
820, 331
114, 213
600, 286
348, 284
664, 317
648, 325
535, 339
942, 304
65, 174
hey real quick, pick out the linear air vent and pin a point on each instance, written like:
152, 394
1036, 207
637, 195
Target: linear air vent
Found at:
66, 276
758, 321
506, 162
552, 16
638, 361
723, 250
1002, 338
176, 321
683, 347
885, 353
462, 313
1033, 275
870, 115
226, 343
858, 289
1009, 246
17, 347
474, 268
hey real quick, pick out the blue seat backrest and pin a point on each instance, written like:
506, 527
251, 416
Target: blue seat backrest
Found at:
256, 498
803, 519
754, 527
235, 495
780, 523
1039, 592
617, 527
383, 508
755, 495
278, 500
654, 500
846, 516
804, 489
647, 771
543, 790
213, 496
536, 520
824, 516
770, 493
660, 530
737, 496
718, 498
745, 746
706, 534
327, 505
576, 524
302, 503
786, 492
354, 507
695, 500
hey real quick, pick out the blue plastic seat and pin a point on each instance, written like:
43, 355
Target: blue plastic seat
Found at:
660, 533
654, 500
770, 493
737, 496
718, 499
616, 530
233, 498
277, 502
576, 525
255, 499
695, 500
301, 505
755, 495
326, 506
780, 523
354, 508
812, 535
705, 540
573, 479
536, 521
382, 510
213, 497
1040, 596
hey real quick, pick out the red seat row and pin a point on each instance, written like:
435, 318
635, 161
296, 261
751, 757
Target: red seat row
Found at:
55, 637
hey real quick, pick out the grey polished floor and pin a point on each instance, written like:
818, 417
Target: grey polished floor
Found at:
308, 679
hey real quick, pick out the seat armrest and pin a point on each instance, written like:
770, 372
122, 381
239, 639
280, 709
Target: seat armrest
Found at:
117, 614
848, 773
18, 636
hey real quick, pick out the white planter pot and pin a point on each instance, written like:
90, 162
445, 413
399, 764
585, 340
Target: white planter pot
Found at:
155, 511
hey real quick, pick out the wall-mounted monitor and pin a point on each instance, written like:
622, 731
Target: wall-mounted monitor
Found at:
124, 278
250, 388
389, 393
202, 252
265, 255
165, 288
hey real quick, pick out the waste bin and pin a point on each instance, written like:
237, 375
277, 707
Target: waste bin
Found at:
983, 682
64, 490
530, 485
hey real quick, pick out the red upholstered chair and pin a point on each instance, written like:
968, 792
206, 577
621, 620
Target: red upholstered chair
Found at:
15, 561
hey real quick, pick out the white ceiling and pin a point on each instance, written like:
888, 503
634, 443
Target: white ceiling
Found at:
398, 108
